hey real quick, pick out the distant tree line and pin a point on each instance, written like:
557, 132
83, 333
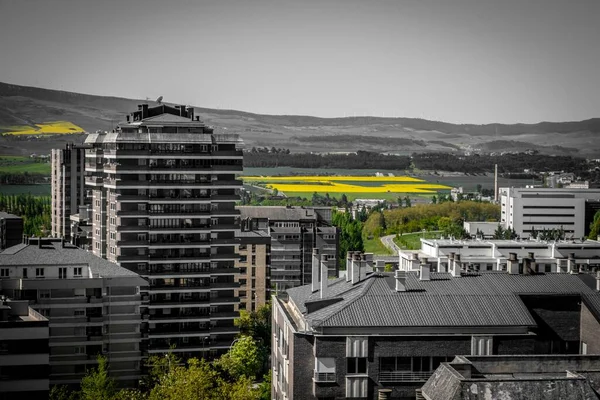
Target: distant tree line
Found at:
360, 160
25, 178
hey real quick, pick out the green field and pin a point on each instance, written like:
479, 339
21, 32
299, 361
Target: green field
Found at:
412, 241
375, 246
19, 165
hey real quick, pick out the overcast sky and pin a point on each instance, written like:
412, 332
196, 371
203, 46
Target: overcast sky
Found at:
476, 61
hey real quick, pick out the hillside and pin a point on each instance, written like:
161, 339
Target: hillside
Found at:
22, 105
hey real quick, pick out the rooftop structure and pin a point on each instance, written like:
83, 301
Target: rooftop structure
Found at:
11, 230
374, 330
294, 232
163, 193
93, 306
565, 377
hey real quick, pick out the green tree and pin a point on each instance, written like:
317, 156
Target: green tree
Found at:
499, 232
407, 202
595, 227
244, 359
256, 324
97, 384
433, 199
198, 381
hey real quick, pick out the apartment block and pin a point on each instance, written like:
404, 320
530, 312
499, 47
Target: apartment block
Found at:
294, 232
254, 266
24, 360
68, 187
93, 307
527, 209
163, 193
513, 256
374, 333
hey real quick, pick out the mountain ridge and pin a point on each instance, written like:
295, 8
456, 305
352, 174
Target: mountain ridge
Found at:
28, 105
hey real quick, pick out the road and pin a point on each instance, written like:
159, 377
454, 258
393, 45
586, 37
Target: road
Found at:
388, 241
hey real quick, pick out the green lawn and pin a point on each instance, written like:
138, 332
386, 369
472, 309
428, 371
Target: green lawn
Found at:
411, 241
19, 165
375, 246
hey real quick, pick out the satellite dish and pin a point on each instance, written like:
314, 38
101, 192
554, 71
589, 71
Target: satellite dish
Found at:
159, 100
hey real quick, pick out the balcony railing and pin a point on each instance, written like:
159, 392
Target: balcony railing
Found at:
404, 376
324, 376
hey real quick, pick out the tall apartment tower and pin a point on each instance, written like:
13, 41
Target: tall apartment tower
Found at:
68, 187
164, 189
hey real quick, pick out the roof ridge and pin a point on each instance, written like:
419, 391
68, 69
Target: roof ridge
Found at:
365, 288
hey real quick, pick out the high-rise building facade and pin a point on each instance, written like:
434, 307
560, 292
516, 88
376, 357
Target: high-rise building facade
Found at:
163, 194
68, 187
254, 266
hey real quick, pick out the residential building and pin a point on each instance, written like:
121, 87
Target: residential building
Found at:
68, 187
11, 230
352, 337
295, 232
93, 306
254, 266
24, 364
535, 209
163, 193
565, 377
447, 255
481, 230
81, 228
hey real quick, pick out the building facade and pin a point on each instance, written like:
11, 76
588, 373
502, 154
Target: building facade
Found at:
68, 187
254, 265
527, 256
93, 307
24, 360
375, 332
163, 193
535, 209
294, 232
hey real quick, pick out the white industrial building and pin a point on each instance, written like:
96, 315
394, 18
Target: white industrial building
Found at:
527, 209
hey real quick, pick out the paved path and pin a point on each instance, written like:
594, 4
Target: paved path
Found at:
388, 241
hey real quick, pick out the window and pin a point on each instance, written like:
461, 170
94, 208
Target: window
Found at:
254, 248
79, 350
583, 348
324, 369
356, 365
78, 272
79, 312
24, 272
253, 260
62, 273
39, 272
481, 346
44, 293
357, 387
4, 272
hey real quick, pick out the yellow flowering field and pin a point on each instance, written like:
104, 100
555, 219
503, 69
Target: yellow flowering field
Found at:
368, 185
45, 128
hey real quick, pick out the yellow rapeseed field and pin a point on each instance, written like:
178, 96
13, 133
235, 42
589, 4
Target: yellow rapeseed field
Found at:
336, 184
46, 128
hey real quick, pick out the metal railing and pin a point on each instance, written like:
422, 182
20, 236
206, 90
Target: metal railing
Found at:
404, 376
324, 376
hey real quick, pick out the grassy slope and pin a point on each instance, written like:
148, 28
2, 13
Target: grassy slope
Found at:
375, 246
412, 241
16, 165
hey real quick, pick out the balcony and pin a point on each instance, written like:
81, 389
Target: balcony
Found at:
404, 376
324, 377
227, 153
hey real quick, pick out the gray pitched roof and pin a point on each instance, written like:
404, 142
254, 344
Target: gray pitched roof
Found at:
53, 254
486, 299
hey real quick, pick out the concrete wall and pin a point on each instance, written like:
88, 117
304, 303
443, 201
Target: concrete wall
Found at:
590, 330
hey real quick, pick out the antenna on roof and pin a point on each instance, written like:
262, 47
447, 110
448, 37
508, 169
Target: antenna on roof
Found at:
159, 100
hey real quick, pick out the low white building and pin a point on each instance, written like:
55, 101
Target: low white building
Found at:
527, 209
454, 256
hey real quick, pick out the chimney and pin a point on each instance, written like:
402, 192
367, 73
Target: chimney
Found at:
400, 281
190, 112
571, 264
380, 266
197, 118
532, 263
315, 269
128, 118
62, 242
512, 264
598, 281
349, 261
456, 266
368, 258
424, 270
144, 111
324, 278
356, 264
